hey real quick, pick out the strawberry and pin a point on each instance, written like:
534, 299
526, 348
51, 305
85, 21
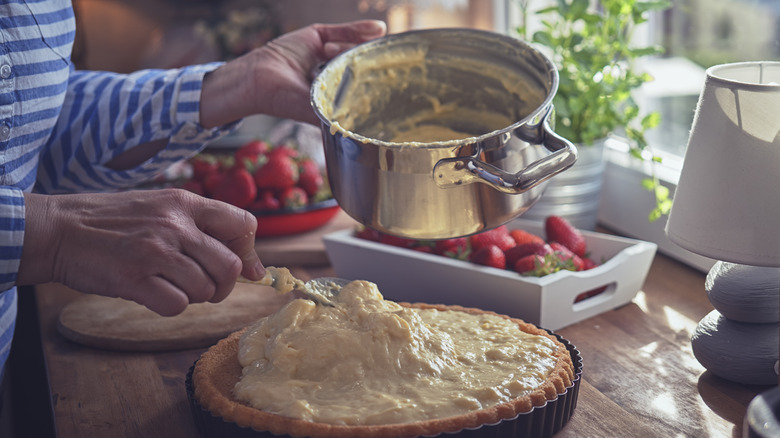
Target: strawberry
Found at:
529, 264
401, 242
588, 263
497, 236
517, 252
427, 249
193, 186
211, 182
283, 149
368, 234
521, 237
278, 173
293, 197
251, 151
203, 165
489, 255
310, 177
236, 187
590, 293
456, 248
266, 201
566, 255
560, 230
540, 265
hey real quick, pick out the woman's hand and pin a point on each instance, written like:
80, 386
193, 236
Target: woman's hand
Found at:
275, 79
164, 249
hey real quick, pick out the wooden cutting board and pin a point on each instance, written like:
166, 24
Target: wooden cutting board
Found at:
117, 324
304, 249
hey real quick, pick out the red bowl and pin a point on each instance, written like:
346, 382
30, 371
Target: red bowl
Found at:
294, 221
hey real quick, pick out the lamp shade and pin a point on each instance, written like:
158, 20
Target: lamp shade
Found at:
727, 202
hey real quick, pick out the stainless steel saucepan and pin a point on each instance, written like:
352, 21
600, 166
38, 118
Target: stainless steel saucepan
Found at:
439, 133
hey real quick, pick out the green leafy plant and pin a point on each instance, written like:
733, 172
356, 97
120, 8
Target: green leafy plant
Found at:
591, 47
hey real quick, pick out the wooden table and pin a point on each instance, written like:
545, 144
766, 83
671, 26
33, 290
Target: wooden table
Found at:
640, 377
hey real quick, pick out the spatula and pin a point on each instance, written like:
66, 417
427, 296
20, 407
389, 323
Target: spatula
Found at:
322, 290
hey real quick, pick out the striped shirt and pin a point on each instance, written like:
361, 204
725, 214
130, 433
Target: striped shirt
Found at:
59, 125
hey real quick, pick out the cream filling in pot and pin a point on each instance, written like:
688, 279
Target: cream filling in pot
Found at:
403, 95
371, 361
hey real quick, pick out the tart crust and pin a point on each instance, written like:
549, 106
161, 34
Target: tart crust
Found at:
218, 370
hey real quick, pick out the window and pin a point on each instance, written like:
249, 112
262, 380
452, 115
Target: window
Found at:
695, 34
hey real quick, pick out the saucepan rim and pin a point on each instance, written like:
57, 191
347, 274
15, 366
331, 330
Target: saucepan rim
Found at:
534, 117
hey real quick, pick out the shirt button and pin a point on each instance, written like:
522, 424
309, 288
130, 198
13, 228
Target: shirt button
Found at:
5, 71
5, 132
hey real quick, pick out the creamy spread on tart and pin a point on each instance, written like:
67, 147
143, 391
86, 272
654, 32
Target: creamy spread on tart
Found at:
371, 361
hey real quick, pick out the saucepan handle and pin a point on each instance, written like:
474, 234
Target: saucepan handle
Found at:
457, 171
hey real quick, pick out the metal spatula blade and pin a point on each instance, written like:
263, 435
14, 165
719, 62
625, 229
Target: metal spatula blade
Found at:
320, 290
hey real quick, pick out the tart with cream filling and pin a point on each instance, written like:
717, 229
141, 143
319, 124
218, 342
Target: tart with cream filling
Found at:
373, 367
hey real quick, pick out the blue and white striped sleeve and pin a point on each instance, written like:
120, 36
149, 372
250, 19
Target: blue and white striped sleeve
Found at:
105, 114
12, 229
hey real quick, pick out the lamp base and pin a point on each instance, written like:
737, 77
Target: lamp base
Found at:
744, 293
737, 351
739, 340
